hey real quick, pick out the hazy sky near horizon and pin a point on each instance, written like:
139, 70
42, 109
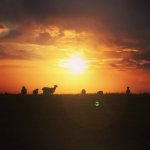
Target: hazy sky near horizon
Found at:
111, 37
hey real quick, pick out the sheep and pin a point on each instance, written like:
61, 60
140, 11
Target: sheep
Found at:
48, 90
35, 92
83, 92
23, 91
100, 93
128, 92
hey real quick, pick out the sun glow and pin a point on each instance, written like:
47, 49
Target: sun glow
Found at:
75, 64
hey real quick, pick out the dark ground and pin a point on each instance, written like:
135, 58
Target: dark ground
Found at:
73, 122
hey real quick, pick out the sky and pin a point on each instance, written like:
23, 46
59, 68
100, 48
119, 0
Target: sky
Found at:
89, 44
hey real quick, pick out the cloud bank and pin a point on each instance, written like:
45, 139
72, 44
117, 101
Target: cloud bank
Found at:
121, 25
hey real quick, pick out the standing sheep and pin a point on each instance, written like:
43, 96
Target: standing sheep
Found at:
83, 92
23, 91
35, 92
48, 90
100, 93
128, 92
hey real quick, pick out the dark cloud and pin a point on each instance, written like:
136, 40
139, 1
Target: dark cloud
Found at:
126, 12
2, 26
125, 64
144, 55
6, 53
145, 66
44, 38
11, 34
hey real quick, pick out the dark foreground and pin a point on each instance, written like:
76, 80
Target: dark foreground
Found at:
73, 122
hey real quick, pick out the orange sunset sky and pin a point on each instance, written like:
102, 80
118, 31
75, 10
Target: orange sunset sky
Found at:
96, 45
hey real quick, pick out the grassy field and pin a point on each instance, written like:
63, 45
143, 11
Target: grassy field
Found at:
75, 122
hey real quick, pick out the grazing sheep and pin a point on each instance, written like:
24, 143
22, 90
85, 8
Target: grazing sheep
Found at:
100, 93
48, 90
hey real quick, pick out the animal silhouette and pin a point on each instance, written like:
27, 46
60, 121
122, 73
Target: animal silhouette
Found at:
128, 92
35, 92
83, 92
23, 90
48, 90
100, 93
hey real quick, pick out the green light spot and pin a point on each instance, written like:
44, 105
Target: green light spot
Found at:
97, 104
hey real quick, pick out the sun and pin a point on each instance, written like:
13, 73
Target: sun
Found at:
75, 65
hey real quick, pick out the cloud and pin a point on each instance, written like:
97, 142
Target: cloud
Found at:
16, 66
145, 66
7, 53
2, 26
117, 24
11, 34
43, 38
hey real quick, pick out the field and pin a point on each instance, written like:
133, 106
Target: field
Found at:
75, 122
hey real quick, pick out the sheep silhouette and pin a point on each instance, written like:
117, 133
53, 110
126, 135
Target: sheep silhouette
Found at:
35, 92
83, 92
23, 91
128, 92
49, 90
100, 93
